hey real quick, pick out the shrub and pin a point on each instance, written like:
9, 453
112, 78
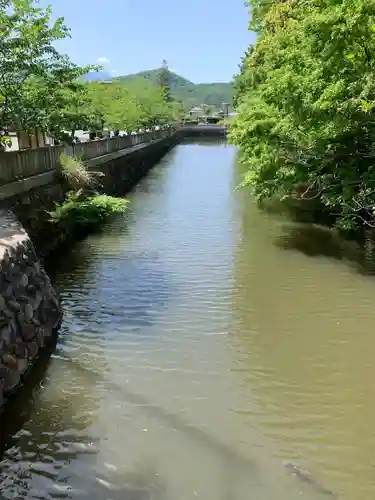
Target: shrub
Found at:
87, 213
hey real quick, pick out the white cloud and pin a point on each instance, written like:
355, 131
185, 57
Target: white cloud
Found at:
103, 60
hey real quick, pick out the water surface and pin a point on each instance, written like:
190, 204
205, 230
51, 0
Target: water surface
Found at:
204, 344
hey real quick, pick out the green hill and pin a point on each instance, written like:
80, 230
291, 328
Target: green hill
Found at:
189, 93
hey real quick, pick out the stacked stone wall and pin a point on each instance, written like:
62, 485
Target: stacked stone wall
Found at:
30, 311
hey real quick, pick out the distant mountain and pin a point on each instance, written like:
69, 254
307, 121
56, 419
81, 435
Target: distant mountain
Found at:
189, 93
97, 76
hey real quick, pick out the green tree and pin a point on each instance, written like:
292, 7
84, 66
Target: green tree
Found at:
115, 105
131, 107
177, 111
306, 91
73, 110
155, 109
164, 81
34, 77
240, 83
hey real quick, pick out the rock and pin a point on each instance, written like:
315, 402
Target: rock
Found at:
8, 292
57, 324
30, 289
38, 282
24, 280
9, 360
20, 350
3, 371
8, 314
14, 305
37, 300
32, 350
21, 318
4, 320
30, 272
29, 312
40, 337
23, 300
13, 272
6, 278
20, 253
28, 331
6, 335
6, 258
1, 392
22, 365
14, 333
55, 301
2, 303
11, 380
43, 312
46, 331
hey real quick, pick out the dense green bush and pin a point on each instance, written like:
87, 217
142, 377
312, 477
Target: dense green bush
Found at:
306, 100
87, 213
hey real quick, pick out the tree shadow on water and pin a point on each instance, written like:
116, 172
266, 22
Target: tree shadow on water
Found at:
323, 242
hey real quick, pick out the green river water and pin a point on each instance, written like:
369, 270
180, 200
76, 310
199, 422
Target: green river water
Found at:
205, 344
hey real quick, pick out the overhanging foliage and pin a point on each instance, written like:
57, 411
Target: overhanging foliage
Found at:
306, 97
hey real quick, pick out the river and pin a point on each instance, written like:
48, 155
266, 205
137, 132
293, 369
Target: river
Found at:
205, 344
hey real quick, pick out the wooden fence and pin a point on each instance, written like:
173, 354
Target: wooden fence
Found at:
15, 165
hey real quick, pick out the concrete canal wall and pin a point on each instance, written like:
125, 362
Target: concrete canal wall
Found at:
123, 169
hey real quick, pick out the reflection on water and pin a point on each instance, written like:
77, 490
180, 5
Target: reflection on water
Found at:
208, 351
312, 241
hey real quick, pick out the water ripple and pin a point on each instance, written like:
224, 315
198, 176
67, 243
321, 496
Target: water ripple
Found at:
196, 355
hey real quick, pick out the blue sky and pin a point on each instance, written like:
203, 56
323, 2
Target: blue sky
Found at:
202, 40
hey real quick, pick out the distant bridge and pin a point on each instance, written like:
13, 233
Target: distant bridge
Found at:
204, 130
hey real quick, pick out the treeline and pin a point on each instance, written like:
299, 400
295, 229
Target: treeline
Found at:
306, 95
41, 88
117, 106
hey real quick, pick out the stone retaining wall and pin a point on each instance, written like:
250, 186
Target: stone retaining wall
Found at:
30, 310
